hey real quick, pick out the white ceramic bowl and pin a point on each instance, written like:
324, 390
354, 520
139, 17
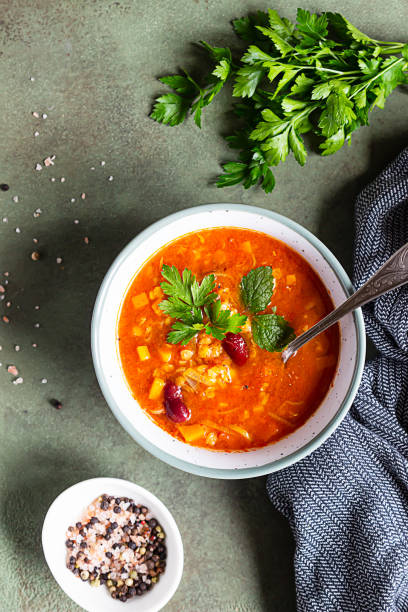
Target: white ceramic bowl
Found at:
68, 508
108, 369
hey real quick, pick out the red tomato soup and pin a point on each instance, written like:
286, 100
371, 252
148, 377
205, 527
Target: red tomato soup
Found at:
232, 407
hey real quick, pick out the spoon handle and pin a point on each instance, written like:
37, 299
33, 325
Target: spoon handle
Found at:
391, 275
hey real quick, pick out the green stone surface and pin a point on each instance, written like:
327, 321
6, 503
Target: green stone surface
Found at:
95, 65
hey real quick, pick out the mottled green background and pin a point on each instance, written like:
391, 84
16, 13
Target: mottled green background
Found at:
94, 65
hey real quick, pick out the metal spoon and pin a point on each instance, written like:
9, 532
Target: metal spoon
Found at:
391, 275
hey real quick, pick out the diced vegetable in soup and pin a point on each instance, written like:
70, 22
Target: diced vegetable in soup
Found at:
201, 332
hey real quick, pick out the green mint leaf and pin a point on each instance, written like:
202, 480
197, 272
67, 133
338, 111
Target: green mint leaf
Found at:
257, 288
247, 80
271, 332
170, 109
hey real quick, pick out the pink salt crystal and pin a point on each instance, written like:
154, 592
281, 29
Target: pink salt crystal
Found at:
36, 115
48, 161
12, 370
83, 196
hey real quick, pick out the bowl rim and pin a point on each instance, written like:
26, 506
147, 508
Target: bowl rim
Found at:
236, 473
111, 482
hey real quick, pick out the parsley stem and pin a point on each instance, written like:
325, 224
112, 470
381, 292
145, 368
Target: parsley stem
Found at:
368, 83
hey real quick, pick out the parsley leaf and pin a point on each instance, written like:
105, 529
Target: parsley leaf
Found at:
257, 288
320, 75
189, 302
271, 332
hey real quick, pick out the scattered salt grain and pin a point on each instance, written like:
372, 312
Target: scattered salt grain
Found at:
44, 381
5, 220
35, 256
34, 345
32, 78
103, 163
18, 230
92, 167
86, 240
36, 115
52, 179
59, 260
62, 179
37, 213
18, 381
8, 304
35, 240
83, 196
17, 348
36, 308
15, 199
36, 325
11, 369
44, 115
36, 133
76, 221
72, 200
38, 167
110, 178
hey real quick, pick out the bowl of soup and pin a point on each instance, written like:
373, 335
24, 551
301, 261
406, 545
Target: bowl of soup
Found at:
187, 334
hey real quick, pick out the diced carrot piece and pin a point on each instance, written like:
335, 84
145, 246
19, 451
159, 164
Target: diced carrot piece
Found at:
156, 388
247, 246
211, 438
291, 279
165, 354
137, 331
143, 353
191, 433
277, 273
140, 300
156, 293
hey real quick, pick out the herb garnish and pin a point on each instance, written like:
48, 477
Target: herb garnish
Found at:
321, 75
269, 331
272, 332
257, 288
196, 307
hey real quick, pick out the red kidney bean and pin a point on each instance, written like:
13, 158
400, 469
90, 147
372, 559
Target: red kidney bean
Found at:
176, 409
236, 347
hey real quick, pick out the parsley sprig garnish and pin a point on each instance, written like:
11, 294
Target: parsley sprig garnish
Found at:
320, 75
196, 307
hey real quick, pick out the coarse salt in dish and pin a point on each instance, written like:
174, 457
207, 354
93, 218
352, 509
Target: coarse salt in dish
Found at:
73, 506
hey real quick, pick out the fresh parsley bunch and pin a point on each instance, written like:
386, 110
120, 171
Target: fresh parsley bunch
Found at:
320, 75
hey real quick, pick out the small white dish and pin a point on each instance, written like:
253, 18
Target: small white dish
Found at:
68, 508
205, 462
